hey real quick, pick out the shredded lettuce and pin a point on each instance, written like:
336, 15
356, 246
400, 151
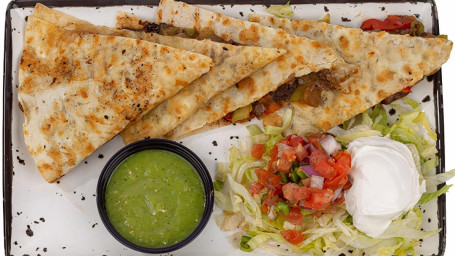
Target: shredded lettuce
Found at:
259, 237
429, 165
254, 129
427, 197
245, 146
435, 180
282, 11
275, 130
348, 138
222, 171
260, 138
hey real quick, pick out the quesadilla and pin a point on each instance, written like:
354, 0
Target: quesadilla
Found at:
388, 63
166, 117
232, 63
303, 57
79, 90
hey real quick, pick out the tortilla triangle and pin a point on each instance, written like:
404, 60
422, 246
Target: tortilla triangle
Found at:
388, 64
303, 56
232, 63
79, 90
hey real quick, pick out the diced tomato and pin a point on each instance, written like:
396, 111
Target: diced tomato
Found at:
348, 185
339, 200
319, 199
289, 154
288, 191
401, 21
228, 117
262, 176
264, 208
275, 180
407, 90
284, 141
257, 151
392, 22
336, 182
301, 193
274, 153
271, 198
293, 236
283, 165
274, 106
306, 182
294, 193
295, 217
325, 169
315, 138
295, 140
375, 24
300, 152
255, 188
342, 162
272, 166
317, 156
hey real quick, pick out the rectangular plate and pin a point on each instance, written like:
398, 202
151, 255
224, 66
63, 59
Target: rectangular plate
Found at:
62, 218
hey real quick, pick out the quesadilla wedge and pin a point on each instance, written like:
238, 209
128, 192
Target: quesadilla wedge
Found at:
79, 90
303, 57
388, 63
166, 117
232, 63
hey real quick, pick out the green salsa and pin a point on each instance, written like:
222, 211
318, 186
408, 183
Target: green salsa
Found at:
155, 199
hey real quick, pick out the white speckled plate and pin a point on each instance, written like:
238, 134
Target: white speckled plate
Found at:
62, 218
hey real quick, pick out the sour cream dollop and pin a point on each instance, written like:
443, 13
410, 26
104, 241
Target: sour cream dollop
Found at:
385, 183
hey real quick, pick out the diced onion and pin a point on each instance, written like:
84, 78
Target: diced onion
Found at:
317, 182
281, 148
309, 170
337, 194
330, 145
309, 148
271, 216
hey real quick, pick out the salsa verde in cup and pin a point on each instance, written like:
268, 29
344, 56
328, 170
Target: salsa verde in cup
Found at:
155, 199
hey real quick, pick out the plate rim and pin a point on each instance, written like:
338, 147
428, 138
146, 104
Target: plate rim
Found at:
8, 94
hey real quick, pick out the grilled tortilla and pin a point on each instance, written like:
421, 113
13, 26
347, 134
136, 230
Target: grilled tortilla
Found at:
79, 90
232, 63
303, 56
160, 121
387, 63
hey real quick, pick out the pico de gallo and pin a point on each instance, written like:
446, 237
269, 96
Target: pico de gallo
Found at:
301, 174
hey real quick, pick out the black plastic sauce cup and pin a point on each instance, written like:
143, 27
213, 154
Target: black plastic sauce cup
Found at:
157, 144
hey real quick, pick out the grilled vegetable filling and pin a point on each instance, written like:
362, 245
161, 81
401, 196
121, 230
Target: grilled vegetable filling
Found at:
168, 30
306, 89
